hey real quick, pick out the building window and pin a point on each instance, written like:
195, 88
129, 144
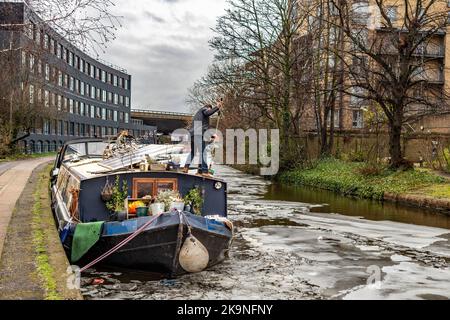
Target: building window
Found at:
357, 122
103, 113
45, 41
127, 118
71, 84
71, 128
115, 80
127, 101
31, 63
31, 93
82, 108
115, 116
92, 111
24, 58
70, 105
116, 98
391, 13
103, 76
127, 85
52, 46
46, 99
47, 72
104, 95
92, 92
60, 127
46, 127
71, 58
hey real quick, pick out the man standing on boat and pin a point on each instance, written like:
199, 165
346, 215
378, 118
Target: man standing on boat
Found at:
200, 125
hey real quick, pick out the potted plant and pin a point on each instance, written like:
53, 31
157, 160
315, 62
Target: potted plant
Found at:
171, 200
107, 191
194, 200
117, 202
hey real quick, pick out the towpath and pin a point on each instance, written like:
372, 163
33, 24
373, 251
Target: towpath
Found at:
13, 177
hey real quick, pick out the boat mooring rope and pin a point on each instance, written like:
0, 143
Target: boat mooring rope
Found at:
121, 244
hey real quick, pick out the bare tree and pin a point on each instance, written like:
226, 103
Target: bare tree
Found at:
392, 56
89, 24
25, 99
258, 64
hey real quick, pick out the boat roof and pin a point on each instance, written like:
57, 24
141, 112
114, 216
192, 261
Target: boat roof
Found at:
87, 169
92, 167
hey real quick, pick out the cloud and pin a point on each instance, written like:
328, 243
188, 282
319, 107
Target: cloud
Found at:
164, 46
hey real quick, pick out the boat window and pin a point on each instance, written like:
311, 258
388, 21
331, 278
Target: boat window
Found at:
96, 148
165, 185
75, 150
143, 187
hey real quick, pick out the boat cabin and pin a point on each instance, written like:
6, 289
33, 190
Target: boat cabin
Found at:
81, 173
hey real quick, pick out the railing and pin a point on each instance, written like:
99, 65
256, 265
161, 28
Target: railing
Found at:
167, 113
113, 66
430, 52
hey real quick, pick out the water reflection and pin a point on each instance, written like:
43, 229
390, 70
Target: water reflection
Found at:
369, 209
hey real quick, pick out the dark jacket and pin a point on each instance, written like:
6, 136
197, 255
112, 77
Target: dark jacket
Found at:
203, 115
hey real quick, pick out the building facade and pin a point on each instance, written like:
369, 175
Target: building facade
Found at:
432, 57
91, 98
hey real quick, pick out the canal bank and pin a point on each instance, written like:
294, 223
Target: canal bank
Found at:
418, 187
33, 265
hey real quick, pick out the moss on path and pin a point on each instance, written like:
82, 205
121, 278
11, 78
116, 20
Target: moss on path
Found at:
33, 265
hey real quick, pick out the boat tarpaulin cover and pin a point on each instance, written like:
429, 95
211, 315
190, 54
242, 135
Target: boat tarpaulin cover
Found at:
86, 235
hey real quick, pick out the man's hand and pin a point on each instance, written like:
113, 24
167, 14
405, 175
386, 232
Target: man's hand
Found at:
220, 104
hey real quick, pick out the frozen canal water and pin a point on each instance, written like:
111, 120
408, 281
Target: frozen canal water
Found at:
283, 250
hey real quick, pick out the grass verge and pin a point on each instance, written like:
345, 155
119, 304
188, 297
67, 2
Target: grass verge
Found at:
43, 267
21, 156
346, 178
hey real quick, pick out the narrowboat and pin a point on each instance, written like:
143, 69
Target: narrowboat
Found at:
125, 205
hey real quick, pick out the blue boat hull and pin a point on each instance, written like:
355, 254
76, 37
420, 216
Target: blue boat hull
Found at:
157, 248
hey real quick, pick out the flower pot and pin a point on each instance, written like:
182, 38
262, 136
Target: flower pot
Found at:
177, 206
156, 208
106, 197
142, 211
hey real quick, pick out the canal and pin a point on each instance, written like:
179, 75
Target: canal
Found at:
300, 243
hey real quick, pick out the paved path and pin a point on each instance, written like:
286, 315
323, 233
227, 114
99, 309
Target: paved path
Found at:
13, 177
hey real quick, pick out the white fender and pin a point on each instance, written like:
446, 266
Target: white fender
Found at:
194, 257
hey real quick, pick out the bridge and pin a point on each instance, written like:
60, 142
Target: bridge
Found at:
165, 121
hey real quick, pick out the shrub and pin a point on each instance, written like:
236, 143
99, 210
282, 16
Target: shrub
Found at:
370, 170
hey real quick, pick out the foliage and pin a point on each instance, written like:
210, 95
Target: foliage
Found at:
167, 197
370, 170
346, 178
194, 199
446, 158
45, 271
119, 194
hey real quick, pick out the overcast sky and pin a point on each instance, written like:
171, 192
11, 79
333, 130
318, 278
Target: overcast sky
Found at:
164, 46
